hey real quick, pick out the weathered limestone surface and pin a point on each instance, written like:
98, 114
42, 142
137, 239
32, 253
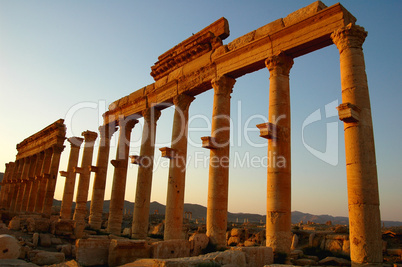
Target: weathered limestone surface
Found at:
177, 169
9, 247
42, 180
175, 248
66, 204
120, 176
98, 192
83, 183
35, 182
122, 251
92, 251
361, 169
278, 226
144, 177
219, 162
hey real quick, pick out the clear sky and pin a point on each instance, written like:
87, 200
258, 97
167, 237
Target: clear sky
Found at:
71, 59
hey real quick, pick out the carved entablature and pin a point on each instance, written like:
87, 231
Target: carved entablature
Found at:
54, 134
191, 48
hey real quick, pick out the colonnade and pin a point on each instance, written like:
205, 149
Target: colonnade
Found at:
29, 182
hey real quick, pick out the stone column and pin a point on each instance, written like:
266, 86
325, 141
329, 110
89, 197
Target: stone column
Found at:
19, 186
5, 188
219, 161
51, 182
278, 226
42, 179
68, 194
13, 186
361, 169
98, 192
120, 176
144, 177
83, 183
177, 169
29, 181
35, 184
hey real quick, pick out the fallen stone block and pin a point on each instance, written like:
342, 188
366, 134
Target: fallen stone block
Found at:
48, 258
45, 240
41, 225
9, 247
198, 242
62, 227
15, 223
35, 239
16, 263
71, 263
334, 261
257, 256
169, 249
91, 251
123, 251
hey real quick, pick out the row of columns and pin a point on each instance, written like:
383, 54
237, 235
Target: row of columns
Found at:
20, 188
29, 183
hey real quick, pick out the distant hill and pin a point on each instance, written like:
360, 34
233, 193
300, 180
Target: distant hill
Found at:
200, 212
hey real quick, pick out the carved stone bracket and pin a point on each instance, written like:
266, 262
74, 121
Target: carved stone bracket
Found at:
209, 142
348, 112
168, 152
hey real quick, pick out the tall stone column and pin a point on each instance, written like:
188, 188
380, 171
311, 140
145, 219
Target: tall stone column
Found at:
42, 179
98, 192
5, 188
35, 183
361, 169
219, 161
16, 202
83, 183
29, 181
177, 169
120, 176
68, 194
278, 226
24, 183
51, 182
13, 186
144, 177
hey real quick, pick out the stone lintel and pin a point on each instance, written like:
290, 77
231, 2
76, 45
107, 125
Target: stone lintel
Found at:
208, 142
168, 152
348, 112
268, 130
78, 170
63, 173
93, 168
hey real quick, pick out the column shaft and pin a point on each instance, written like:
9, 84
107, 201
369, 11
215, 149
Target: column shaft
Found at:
35, 183
98, 192
6, 185
68, 193
177, 170
18, 187
29, 180
83, 183
42, 179
120, 176
24, 184
219, 162
13, 186
51, 182
361, 169
278, 226
144, 177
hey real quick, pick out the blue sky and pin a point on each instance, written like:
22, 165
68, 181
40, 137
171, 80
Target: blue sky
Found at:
71, 59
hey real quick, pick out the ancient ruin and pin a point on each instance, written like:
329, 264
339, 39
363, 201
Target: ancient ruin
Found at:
200, 63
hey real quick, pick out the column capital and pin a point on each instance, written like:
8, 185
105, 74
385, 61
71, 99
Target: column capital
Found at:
279, 64
183, 101
89, 136
151, 114
75, 141
223, 85
127, 123
351, 36
58, 149
106, 131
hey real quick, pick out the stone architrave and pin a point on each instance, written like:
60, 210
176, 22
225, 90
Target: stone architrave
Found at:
177, 169
68, 194
42, 179
35, 182
83, 183
361, 168
278, 226
144, 177
219, 161
98, 192
120, 175
29, 181
51, 181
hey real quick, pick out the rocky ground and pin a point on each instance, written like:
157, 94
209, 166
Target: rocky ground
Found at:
35, 240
